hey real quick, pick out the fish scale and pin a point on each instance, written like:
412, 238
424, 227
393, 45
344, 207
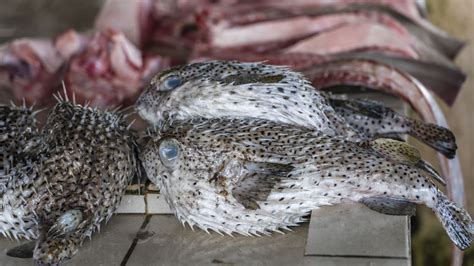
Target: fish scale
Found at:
298, 170
89, 159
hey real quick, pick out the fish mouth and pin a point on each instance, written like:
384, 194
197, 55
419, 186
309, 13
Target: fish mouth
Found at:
148, 115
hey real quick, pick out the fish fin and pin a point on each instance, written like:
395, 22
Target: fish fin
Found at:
277, 169
398, 151
456, 221
393, 136
430, 170
66, 223
439, 138
365, 107
242, 78
253, 188
259, 181
24, 251
390, 206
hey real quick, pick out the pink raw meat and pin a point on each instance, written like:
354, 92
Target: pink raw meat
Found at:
291, 28
133, 18
354, 37
33, 68
110, 71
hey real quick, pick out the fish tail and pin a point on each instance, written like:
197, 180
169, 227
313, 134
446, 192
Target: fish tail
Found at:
456, 221
430, 170
439, 138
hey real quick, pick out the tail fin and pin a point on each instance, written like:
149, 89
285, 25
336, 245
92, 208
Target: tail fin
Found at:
430, 170
456, 221
439, 138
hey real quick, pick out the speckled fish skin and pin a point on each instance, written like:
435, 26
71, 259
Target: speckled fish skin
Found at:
19, 137
232, 89
90, 159
371, 118
255, 176
239, 90
404, 153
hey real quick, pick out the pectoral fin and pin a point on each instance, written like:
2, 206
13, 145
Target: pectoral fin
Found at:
253, 188
268, 168
365, 107
242, 78
258, 182
24, 251
433, 173
390, 206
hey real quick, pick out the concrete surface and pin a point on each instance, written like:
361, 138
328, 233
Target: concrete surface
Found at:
336, 234
156, 204
107, 248
355, 230
132, 204
163, 240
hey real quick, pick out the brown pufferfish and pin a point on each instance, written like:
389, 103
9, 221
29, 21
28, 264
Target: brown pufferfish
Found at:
253, 176
19, 137
233, 89
62, 197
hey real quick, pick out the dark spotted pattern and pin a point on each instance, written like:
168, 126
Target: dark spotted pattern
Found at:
19, 137
221, 88
252, 90
372, 119
404, 153
89, 159
253, 176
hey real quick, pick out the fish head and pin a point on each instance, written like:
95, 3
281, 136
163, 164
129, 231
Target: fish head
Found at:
174, 88
52, 251
206, 88
161, 157
170, 157
150, 104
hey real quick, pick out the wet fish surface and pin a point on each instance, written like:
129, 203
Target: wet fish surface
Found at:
233, 89
19, 137
252, 176
62, 197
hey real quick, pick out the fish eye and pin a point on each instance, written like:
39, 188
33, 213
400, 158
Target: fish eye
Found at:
170, 83
169, 152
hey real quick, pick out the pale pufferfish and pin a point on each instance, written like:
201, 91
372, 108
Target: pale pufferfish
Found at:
90, 157
233, 89
252, 176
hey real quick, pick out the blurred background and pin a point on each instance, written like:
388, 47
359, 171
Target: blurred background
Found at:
431, 246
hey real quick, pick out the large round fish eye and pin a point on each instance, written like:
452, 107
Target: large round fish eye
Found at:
169, 152
170, 83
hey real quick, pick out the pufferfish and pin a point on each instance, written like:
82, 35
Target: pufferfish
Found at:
254, 176
20, 139
254, 90
88, 158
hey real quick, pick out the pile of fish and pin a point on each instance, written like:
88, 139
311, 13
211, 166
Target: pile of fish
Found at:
234, 146
59, 183
383, 45
251, 148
